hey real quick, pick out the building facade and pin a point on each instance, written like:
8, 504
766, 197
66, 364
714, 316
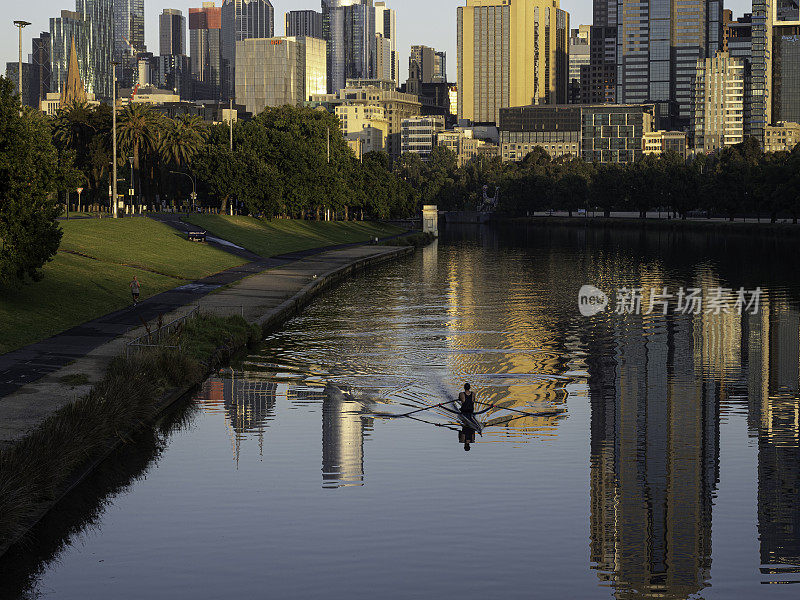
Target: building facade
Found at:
419, 135
556, 129
718, 103
366, 124
278, 71
427, 65
579, 62
659, 142
510, 54
786, 74
242, 20
304, 23
171, 33
348, 27
205, 41
781, 137
386, 39
600, 78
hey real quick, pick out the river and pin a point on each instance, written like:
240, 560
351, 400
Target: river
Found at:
671, 471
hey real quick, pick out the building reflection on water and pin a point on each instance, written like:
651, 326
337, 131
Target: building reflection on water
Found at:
774, 348
248, 402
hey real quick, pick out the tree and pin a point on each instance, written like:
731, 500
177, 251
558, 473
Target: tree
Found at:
31, 175
138, 131
182, 140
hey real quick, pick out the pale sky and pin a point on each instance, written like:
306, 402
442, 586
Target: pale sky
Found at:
428, 22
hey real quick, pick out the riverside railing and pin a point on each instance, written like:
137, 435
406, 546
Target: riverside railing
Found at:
153, 339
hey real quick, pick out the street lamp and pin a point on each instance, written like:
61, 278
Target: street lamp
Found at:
130, 190
114, 200
194, 185
20, 25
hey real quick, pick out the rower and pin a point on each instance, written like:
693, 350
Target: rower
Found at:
467, 400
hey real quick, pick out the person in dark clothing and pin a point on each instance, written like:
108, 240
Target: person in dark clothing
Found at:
467, 400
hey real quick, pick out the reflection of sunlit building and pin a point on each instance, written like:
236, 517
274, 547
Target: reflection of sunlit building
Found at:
654, 446
343, 427
774, 352
248, 404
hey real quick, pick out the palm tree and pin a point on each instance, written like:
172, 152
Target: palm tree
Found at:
182, 140
138, 131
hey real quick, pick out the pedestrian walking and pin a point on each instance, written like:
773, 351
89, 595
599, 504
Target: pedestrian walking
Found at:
135, 289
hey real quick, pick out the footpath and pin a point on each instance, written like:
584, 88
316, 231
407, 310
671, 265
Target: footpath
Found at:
267, 292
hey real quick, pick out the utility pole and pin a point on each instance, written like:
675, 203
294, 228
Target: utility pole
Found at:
20, 25
230, 121
114, 201
329, 145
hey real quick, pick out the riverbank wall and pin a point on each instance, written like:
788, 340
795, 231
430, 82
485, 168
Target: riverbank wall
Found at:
53, 434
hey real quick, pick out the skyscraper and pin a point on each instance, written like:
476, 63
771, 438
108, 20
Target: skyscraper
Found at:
579, 61
427, 64
718, 103
349, 28
242, 20
786, 71
386, 36
306, 23
510, 54
599, 86
205, 41
657, 48
172, 32
128, 28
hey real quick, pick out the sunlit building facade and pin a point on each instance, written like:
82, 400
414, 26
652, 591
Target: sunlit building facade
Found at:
242, 20
279, 71
303, 23
510, 54
718, 103
205, 41
349, 29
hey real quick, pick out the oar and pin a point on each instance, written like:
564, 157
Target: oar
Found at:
413, 412
522, 412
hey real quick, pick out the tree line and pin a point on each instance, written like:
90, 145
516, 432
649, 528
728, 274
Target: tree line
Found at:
738, 181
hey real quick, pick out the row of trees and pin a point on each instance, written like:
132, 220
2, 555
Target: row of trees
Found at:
738, 181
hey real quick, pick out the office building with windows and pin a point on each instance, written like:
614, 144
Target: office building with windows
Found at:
304, 23
781, 137
279, 71
510, 54
387, 60
242, 20
786, 73
366, 124
579, 62
348, 27
418, 135
428, 65
555, 129
659, 142
718, 103
205, 42
171, 32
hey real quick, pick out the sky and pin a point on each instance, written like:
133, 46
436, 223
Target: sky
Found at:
428, 22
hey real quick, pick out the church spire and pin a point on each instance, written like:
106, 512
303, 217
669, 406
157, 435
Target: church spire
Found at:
73, 91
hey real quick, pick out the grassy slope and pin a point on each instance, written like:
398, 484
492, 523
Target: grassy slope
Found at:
77, 289
144, 243
271, 238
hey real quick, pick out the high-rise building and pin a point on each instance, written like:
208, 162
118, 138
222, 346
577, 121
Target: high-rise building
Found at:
279, 71
419, 135
386, 38
510, 54
205, 41
658, 46
786, 73
128, 28
242, 20
427, 65
92, 26
579, 61
718, 103
304, 23
171, 32
349, 28
35, 74
599, 80
773, 54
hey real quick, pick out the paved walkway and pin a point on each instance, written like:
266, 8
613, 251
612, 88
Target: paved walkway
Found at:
31, 363
262, 296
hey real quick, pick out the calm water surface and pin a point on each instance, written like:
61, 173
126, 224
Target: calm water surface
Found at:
674, 471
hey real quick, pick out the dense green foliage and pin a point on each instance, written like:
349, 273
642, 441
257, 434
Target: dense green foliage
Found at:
32, 173
738, 181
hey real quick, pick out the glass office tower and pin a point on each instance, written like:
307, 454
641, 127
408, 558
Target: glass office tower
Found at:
205, 41
349, 28
171, 33
658, 45
242, 20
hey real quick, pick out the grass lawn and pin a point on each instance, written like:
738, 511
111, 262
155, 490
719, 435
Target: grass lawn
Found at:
271, 238
77, 289
142, 242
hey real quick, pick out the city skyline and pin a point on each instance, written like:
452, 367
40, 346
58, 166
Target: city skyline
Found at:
410, 30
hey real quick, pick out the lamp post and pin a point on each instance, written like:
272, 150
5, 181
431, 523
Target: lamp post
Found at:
194, 185
20, 25
131, 190
114, 196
